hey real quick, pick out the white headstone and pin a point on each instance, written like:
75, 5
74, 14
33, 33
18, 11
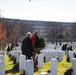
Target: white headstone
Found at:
40, 61
74, 72
74, 66
52, 54
29, 67
71, 53
18, 55
55, 53
14, 52
22, 61
47, 56
2, 57
2, 67
54, 66
10, 52
60, 55
2, 52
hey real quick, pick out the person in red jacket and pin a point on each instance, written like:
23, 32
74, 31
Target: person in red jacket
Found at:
36, 45
36, 42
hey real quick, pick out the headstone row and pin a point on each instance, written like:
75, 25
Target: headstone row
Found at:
2, 62
48, 54
27, 65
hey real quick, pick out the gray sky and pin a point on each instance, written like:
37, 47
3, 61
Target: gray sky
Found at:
43, 10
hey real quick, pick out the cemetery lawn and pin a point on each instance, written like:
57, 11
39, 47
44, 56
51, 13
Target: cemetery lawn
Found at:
62, 67
9, 67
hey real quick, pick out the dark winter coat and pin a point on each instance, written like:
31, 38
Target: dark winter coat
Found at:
37, 42
27, 47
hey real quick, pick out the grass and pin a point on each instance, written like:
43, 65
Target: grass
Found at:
62, 67
10, 67
45, 68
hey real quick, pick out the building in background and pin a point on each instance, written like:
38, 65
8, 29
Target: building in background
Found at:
46, 29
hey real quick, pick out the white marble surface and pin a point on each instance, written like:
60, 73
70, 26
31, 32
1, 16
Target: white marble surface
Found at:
47, 56
40, 61
2, 52
17, 56
2, 57
71, 53
74, 72
54, 66
29, 67
2, 67
60, 56
74, 66
74, 63
22, 64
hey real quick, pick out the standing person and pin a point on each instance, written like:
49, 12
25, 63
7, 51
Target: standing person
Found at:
27, 47
36, 45
36, 42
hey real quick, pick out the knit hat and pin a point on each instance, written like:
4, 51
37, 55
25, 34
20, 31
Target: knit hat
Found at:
28, 34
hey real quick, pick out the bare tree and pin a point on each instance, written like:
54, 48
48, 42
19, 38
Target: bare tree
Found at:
24, 28
14, 34
53, 28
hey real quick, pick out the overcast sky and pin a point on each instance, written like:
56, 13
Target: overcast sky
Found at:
42, 10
